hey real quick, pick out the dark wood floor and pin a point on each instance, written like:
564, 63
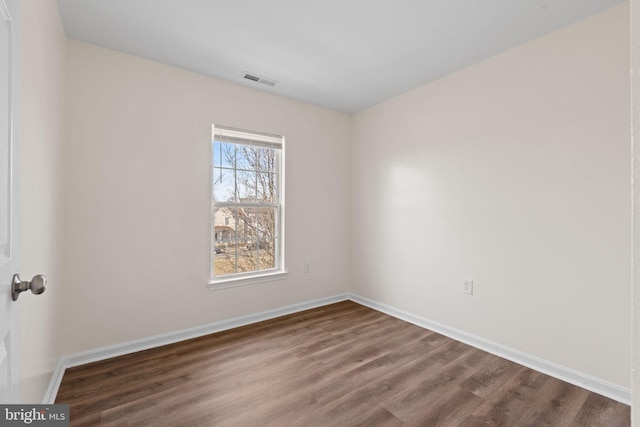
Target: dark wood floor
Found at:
338, 365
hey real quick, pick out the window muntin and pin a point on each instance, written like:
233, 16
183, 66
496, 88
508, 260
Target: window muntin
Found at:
247, 204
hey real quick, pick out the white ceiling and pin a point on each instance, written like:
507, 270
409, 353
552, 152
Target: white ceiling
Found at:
345, 55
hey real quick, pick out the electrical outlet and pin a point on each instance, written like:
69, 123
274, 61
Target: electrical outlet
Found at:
307, 267
467, 287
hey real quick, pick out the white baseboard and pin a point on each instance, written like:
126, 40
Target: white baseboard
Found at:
579, 379
595, 385
173, 337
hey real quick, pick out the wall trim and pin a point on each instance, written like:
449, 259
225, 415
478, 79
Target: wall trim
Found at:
115, 350
579, 379
571, 376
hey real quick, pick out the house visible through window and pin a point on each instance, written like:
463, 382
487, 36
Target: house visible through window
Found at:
247, 204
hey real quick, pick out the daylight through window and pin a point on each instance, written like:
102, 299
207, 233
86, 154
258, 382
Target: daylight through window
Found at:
247, 204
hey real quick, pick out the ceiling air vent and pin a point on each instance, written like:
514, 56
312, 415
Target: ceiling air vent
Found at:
259, 79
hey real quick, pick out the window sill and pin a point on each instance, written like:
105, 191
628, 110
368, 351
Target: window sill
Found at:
216, 285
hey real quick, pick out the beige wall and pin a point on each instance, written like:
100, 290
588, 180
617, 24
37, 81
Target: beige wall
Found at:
43, 61
513, 173
137, 198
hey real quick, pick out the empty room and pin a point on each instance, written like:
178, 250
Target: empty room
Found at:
337, 213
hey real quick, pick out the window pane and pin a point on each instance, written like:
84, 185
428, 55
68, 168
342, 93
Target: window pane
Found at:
246, 181
266, 187
265, 159
224, 226
246, 226
266, 223
246, 260
223, 185
216, 180
246, 157
227, 154
223, 154
224, 262
266, 254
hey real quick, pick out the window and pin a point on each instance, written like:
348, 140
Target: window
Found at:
247, 205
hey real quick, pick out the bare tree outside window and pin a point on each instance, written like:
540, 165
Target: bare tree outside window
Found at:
246, 201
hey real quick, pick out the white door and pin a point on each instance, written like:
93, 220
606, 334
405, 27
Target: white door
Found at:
9, 349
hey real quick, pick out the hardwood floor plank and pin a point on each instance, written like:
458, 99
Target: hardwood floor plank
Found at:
597, 412
338, 365
377, 417
557, 404
434, 384
493, 377
450, 409
507, 407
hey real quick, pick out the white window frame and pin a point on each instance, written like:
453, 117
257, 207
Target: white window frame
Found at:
258, 139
